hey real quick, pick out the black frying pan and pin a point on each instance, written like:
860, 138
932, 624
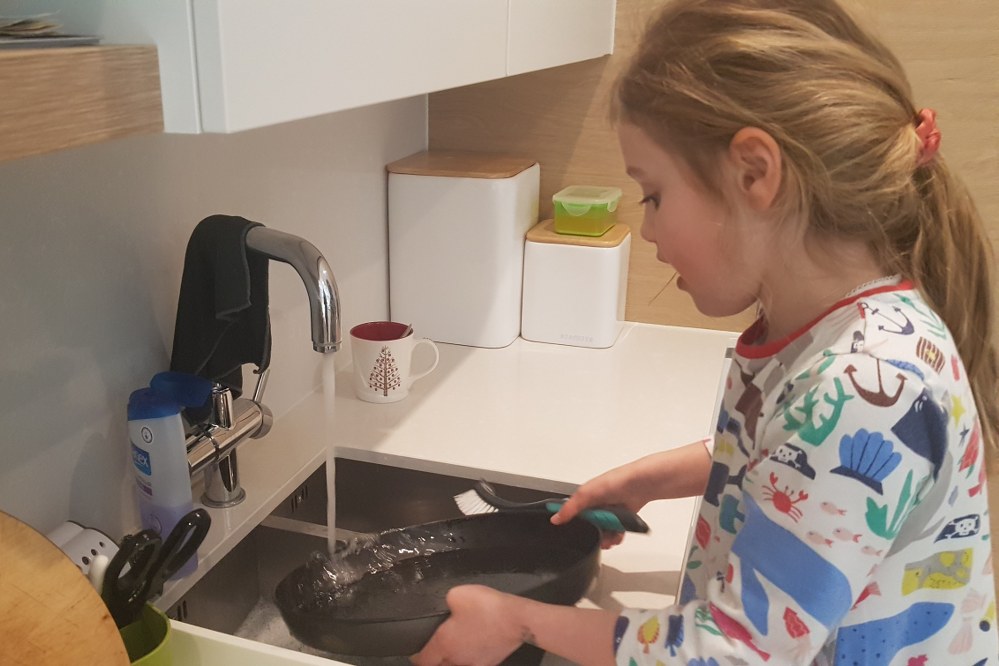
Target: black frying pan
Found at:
395, 610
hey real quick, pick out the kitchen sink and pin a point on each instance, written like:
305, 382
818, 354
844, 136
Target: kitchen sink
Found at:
237, 595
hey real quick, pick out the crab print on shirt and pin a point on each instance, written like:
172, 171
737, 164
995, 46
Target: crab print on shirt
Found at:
845, 519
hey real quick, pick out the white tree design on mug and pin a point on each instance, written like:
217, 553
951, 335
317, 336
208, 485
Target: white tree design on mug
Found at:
384, 375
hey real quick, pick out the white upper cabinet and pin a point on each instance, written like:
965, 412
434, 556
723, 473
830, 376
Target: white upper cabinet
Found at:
546, 33
268, 61
231, 65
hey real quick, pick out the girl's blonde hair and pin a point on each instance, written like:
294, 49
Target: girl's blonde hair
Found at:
838, 103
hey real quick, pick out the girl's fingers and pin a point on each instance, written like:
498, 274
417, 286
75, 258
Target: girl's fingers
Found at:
569, 510
563, 515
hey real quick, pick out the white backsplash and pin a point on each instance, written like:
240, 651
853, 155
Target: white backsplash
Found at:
92, 246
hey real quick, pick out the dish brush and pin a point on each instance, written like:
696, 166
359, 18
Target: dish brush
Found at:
483, 499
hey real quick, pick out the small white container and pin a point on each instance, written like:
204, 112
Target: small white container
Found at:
575, 286
456, 244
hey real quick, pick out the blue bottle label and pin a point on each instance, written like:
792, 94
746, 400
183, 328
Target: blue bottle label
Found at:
141, 460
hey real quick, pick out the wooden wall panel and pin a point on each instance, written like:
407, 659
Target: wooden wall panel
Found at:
559, 117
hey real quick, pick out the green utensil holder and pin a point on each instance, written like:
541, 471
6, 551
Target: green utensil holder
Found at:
148, 638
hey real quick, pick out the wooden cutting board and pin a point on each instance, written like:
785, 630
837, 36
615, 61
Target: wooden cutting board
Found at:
49, 612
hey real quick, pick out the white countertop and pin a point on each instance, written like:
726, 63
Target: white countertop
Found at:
541, 415
534, 415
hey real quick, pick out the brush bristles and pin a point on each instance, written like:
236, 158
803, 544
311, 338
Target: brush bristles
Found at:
470, 504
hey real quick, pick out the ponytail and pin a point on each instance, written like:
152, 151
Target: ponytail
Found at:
951, 259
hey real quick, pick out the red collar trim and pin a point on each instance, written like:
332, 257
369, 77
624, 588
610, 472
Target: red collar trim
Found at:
744, 346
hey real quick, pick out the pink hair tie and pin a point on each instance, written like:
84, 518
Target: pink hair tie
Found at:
929, 135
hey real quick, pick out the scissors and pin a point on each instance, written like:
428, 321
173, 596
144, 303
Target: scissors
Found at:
151, 561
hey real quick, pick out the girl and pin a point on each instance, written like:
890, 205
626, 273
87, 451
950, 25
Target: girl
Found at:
844, 521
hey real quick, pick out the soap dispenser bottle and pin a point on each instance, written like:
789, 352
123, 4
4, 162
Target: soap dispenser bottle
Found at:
157, 442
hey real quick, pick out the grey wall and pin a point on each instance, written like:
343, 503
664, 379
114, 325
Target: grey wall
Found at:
91, 252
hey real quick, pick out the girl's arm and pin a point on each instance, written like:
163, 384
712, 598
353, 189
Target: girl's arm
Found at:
486, 626
681, 472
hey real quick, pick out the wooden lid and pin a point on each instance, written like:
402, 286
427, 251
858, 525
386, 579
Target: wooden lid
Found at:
49, 612
544, 232
457, 164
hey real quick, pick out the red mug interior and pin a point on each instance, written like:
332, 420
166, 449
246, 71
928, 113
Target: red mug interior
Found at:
380, 331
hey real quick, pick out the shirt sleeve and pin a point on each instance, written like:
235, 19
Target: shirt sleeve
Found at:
836, 465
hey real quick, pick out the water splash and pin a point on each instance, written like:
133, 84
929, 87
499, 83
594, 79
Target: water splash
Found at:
330, 579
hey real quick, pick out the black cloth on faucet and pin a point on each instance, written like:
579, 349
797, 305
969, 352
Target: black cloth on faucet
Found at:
222, 315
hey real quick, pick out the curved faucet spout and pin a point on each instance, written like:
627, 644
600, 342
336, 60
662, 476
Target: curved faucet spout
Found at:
312, 267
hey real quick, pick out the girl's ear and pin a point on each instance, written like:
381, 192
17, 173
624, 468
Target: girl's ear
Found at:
756, 158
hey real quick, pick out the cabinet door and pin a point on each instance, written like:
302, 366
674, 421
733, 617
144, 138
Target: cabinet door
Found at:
262, 62
547, 33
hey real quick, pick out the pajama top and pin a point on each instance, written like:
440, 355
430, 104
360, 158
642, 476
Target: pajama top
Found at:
845, 518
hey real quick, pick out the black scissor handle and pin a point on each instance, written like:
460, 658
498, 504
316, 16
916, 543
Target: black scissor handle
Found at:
124, 593
182, 543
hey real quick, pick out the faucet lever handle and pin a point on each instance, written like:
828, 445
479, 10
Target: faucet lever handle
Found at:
258, 391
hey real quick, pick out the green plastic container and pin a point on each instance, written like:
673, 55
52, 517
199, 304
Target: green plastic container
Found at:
582, 210
148, 638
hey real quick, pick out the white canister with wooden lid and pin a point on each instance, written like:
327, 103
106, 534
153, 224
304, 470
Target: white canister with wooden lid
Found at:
575, 286
457, 222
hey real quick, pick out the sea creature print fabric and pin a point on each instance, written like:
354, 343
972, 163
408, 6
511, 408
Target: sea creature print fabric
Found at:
845, 519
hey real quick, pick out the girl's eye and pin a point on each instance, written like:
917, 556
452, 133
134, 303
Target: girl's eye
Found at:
650, 199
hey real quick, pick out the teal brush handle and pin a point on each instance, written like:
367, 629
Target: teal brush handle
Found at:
609, 518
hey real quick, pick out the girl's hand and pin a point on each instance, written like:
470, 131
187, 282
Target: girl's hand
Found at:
482, 630
680, 472
615, 487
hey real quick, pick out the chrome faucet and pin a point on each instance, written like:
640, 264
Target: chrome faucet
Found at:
315, 273
212, 447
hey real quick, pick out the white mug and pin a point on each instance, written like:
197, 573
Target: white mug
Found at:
383, 353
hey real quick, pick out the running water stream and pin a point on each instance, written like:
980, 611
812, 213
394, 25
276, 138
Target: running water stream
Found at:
330, 575
329, 404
